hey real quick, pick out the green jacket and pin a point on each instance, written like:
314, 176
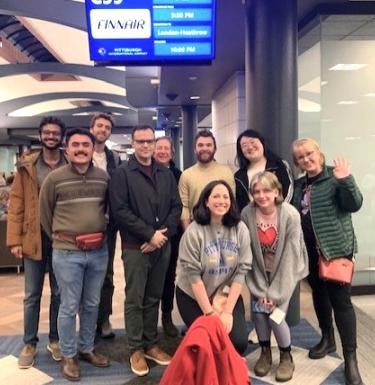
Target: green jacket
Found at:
331, 204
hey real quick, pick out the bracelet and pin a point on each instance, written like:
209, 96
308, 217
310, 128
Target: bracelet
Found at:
209, 313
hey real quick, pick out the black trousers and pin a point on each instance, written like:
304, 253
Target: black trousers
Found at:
333, 297
190, 311
169, 284
106, 296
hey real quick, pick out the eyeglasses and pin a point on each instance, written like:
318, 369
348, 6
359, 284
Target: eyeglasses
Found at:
53, 133
149, 142
308, 155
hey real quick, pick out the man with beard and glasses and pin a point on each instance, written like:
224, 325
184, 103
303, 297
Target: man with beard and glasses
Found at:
101, 126
195, 178
26, 239
73, 203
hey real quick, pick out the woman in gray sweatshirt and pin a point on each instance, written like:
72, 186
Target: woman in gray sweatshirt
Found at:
215, 256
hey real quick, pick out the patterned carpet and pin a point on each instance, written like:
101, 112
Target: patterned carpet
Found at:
328, 371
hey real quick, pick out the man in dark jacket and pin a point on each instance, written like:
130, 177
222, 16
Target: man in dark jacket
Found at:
164, 153
101, 126
146, 207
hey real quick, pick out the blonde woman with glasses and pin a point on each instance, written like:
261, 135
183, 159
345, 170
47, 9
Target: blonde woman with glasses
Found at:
326, 196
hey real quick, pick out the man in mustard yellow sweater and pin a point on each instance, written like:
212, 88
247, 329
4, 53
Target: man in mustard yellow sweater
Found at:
195, 178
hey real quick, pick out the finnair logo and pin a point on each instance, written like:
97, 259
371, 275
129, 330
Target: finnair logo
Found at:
120, 23
107, 2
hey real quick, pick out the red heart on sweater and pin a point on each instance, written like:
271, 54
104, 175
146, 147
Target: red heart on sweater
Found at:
267, 237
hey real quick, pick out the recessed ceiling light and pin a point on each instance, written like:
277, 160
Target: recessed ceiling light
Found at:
155, 81
323, 82
371, 94
347, 67
195, 97
192, 78
154, 118
347, 102
352, 138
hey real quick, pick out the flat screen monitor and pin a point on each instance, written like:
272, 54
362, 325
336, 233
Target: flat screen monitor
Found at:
151, 32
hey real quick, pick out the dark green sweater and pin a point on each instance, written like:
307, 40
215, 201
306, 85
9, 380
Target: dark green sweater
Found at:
332, 202
73, 203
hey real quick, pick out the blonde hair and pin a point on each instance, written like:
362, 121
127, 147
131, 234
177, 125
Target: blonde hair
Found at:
270, 182
307, 141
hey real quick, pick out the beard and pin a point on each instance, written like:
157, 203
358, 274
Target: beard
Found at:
51, 147
205, 157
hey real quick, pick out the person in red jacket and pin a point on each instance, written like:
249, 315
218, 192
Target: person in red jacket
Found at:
206, 356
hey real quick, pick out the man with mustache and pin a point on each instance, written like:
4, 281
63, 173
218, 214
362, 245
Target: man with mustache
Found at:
73, 203
26, 239
101, 126
195, 178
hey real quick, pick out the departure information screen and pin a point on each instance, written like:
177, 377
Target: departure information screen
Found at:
151, 31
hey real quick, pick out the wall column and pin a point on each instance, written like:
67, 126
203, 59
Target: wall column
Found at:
271, 71
189, 130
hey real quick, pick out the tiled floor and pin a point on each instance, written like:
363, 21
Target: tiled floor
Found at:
11, 313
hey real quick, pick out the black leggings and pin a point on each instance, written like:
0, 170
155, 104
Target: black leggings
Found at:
328, 296
190, 311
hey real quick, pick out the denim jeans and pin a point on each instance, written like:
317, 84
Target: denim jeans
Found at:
80, 276
34, 279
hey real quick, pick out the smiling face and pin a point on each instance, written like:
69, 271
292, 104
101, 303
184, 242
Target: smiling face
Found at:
252, 148
218, 202
144, 145
205, 149
50, 136
308, 158
101, 129
79, 150
264, 197
163, 151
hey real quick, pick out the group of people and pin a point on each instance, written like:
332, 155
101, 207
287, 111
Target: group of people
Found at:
205, 230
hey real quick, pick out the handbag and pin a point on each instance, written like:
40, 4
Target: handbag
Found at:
89, 241
338, 270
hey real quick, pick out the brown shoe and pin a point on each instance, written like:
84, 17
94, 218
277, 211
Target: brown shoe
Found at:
70, 368
284, 371
94, 358
158, 355
138, 364
27, 356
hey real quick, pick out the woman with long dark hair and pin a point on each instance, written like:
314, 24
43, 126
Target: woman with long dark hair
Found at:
215, 256
253, 156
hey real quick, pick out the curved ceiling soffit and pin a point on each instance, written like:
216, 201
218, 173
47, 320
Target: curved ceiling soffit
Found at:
69, 13
15, 104
109, 75
95, 108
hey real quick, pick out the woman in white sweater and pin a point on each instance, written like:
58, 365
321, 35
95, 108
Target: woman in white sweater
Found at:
279, 263
215, 255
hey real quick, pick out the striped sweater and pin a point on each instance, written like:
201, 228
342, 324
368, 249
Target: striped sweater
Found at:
73, 203
331, 204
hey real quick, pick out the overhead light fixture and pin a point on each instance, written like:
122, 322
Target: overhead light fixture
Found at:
347, 102
347, 67
154, 118
192, 78
195, 97
371, 94
352, 138
323, 83
155, 81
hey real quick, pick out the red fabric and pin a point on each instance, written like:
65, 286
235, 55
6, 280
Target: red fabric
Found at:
206, 356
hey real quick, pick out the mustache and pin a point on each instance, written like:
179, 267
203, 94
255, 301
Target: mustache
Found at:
80, 153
